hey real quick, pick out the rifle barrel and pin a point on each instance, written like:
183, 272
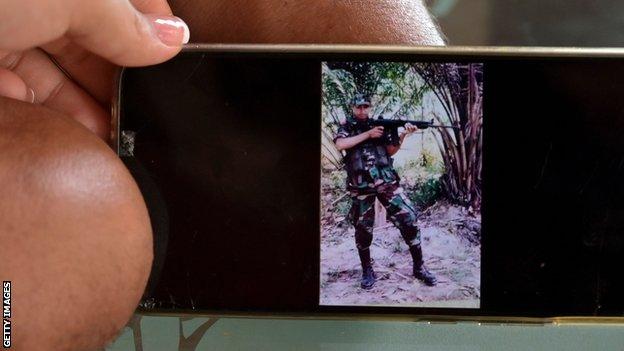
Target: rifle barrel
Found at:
441, 126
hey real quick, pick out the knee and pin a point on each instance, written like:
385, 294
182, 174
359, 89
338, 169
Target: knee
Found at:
76, 239
403, 215
310, 21
408, 219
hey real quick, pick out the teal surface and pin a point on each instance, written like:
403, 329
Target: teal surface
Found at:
163, 333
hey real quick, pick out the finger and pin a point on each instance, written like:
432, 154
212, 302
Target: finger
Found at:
53, 89
160, 7
113, 29
92, 72
12, 86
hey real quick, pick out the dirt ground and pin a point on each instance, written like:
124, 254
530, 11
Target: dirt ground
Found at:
451, 245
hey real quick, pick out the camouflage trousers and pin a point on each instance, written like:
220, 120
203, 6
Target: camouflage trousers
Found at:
399, 209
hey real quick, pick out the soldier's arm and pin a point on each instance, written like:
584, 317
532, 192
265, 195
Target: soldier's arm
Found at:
393, 149
343, 143
409, 129
349, 142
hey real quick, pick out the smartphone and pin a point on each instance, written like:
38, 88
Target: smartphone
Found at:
365, 181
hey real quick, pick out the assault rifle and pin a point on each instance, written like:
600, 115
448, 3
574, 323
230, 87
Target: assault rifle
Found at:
391, 127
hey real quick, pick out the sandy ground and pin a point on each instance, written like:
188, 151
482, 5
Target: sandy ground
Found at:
450, 239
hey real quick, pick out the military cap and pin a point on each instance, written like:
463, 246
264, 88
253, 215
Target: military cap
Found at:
360, 99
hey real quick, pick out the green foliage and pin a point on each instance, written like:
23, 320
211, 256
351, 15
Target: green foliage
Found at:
338, 88
395, 89
343, 206
415, 171
334, 185
337, 179
459, 90
427, 193
430, 162
422, 183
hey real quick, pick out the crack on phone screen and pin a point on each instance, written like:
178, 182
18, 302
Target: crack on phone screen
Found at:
127, 143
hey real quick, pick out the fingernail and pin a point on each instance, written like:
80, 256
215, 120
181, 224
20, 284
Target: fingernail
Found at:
171, 30
30, 96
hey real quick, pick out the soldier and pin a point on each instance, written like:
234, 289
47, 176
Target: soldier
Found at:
370, 176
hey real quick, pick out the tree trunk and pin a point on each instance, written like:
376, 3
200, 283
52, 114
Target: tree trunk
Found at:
458, 88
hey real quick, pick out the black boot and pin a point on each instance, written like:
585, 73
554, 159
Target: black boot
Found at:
368, 275
420, 272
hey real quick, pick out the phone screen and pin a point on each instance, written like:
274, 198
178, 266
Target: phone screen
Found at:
343, 183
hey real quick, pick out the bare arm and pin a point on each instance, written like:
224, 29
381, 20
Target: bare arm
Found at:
309, 21
392, 149
349, 142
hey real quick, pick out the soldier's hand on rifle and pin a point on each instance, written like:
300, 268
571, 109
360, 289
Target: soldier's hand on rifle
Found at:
409, 129
376, 132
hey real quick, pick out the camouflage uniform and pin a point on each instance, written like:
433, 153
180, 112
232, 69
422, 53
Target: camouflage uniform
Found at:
370, 176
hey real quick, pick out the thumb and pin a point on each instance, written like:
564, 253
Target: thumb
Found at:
113, 29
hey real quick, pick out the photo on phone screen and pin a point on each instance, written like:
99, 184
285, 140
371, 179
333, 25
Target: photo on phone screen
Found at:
401, 184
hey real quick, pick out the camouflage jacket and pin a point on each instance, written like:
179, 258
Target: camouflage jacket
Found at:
368, 164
